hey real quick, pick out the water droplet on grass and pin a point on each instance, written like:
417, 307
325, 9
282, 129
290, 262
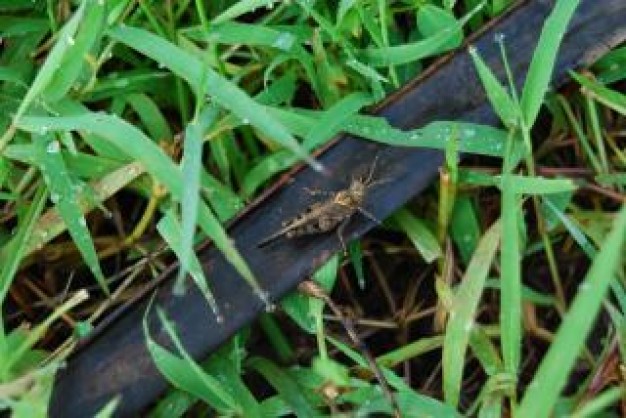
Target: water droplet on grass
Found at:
284, 41
53, 147
265, 297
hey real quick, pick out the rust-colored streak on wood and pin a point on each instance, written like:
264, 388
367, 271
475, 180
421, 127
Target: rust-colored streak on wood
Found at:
116, 361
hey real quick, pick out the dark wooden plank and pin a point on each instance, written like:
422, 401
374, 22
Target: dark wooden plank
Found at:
115, 361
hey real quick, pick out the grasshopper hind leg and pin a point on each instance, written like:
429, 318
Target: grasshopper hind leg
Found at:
340, 229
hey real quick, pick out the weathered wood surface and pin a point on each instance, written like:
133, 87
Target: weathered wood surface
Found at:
115, 361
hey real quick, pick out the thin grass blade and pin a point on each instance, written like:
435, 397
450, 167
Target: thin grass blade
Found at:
463, 313
544, 57
64, 193
543, 391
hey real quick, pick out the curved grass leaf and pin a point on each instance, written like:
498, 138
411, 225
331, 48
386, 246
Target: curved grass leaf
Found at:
185, 374
131, 141
288, 40
203, 80
440, 42
472, 138
126, 138
323, 129
432, 19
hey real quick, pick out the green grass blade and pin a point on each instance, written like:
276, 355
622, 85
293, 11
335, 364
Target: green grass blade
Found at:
544, 57
240, 8
501, 102
417, 405
465, 229
472, 138
124, 137
14, 252
137, 145
574, 230
539, 185
223, 200
108, 410
47, 71
610, 98
304, 310
151, 116
212, 227
463, 313
228, 363
37, 333
204, 80
191, 169
542, 393
600, 403
432, 20
323, 129
613, 179
51, 224
171, 231
403, 54
184, 373
511, 290
288, 388
64, 193
424, 241
87, 35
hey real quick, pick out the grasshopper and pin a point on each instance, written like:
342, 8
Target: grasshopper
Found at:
335, 212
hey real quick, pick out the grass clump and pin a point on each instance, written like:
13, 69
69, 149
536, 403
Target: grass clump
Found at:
133, 130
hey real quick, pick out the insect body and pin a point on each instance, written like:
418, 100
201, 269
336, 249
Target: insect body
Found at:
335, 212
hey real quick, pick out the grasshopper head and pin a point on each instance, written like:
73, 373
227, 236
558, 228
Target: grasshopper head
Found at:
352, 197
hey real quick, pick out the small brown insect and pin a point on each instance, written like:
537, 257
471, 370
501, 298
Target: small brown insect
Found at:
335, 212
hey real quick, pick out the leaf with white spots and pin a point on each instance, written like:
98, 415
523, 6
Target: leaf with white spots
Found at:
63, 195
